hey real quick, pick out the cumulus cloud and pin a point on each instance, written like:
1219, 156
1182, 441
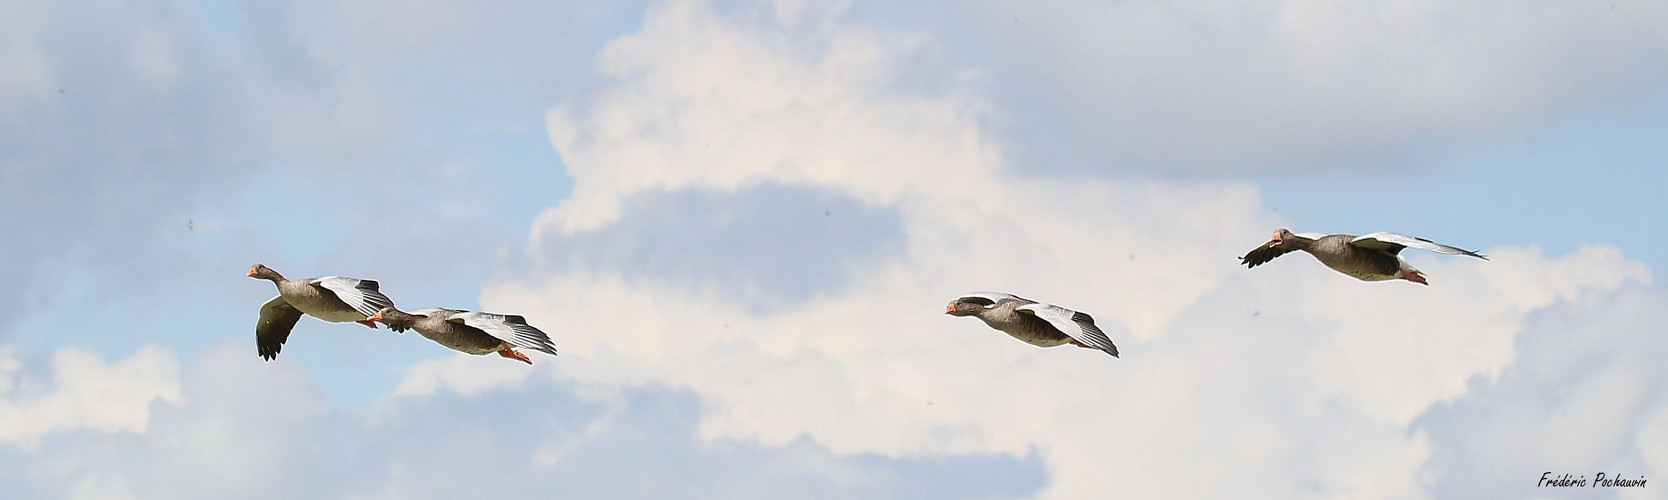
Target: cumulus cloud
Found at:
253, 430
1258, 86
770, 208
1582, 398
82, 391
1291, 377
722, 244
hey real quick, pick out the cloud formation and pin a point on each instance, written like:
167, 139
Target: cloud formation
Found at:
766, 246
246, 430
1290, 376
745, 282
82, 392
1249, 87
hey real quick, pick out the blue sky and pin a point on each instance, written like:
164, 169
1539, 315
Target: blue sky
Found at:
740, 220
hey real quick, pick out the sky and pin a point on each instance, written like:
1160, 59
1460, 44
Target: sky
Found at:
740, 220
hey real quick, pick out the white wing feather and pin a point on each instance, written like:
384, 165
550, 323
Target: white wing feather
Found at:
509, 328
1074, 324
361, 295
1383, 241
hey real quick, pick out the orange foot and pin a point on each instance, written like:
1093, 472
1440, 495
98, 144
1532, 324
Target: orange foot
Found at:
1414, 277
509, 352
369, 323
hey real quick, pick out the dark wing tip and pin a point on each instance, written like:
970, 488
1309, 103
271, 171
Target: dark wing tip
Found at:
273, 328
1255, 257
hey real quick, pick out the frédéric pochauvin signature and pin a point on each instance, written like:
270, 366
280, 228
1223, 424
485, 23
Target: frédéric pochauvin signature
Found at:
1600, 480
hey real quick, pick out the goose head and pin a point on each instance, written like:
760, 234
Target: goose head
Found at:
260, 271
966, 306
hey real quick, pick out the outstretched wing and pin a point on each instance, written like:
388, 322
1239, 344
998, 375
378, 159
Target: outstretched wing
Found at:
509, 328
1393, 243
361, 295
278, 317
1074, 324
1261, 255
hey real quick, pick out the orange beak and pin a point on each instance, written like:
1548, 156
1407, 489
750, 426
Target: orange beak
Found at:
251, 272
950, 308
375, 317
1274, 240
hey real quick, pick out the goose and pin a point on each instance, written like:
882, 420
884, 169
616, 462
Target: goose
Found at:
1372, 257
331, 298
1032, 322
471, 332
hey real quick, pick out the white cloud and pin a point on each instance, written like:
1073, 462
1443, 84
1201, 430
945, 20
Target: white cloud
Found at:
246, 429
776, 110
1580, 398
1282, 85
1291, 377
797, 367
83, 392
1652, 441
459, 374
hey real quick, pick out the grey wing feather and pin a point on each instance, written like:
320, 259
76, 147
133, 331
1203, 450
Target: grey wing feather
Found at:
278, 317
509, 328
361, 295
1074, 324
1393, 242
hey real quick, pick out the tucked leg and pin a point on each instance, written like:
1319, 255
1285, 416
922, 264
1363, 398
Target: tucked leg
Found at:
508, 351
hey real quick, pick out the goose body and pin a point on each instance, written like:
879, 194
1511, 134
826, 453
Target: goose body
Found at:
1032, 322
471, 332
1371, 257
331, 298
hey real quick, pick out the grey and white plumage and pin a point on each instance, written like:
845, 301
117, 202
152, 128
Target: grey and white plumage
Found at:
1371, 257
1036, 323
330, 298
470, 331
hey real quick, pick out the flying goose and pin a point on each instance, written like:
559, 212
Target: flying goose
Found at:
471, 332
1032, 322
1373, 257
331, 298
